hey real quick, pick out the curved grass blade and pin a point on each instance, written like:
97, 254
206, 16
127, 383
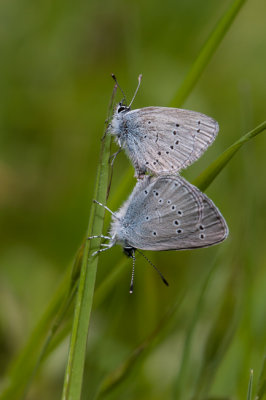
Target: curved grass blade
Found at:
211, 172
22, 368
206, 52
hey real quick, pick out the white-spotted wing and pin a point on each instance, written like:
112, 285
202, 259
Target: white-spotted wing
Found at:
162, 140
168, 213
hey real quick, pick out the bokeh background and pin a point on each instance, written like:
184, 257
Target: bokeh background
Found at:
56, 58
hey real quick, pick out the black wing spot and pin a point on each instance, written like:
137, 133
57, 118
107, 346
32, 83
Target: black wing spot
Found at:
202, 236
147, 218
172, 147
198, 130
145, 191
154, 233
179, 231
177, 125
159, 153
177, 142
168, 201
174, 132
201, 227
198, 122
179, 212
173, 207
167, 152
160, 201
149, 122
176, 222
154, 163
147, 162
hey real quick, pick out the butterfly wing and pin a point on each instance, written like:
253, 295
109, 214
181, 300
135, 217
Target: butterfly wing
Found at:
168, 213
161, 139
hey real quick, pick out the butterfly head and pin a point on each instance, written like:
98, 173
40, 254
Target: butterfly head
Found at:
129, 251
121, 108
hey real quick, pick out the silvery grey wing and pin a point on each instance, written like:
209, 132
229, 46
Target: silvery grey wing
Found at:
162, 139
168, 213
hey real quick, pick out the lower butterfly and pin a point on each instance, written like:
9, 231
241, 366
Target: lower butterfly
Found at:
165, 213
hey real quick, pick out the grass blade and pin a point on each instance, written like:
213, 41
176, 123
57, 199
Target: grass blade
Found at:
210, 173
250, 384
261, 390
206, 52
77, 349
22, 369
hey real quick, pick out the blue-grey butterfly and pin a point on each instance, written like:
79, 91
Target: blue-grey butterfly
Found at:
161, 139
165, 213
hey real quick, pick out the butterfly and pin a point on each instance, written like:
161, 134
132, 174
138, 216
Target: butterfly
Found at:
165, 213
161, 140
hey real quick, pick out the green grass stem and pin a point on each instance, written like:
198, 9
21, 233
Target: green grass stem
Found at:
77, 349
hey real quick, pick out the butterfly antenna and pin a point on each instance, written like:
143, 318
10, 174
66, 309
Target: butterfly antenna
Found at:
133, 273
136, 91
114, 78
156, 269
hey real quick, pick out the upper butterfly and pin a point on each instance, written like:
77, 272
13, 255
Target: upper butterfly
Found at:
162, 140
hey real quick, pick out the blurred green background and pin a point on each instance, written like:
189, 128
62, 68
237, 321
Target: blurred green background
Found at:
56, 60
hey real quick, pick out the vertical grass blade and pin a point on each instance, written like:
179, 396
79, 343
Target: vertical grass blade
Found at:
77, 349
206, 52
250, 384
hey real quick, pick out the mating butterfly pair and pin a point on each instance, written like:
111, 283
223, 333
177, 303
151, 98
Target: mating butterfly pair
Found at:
164, 211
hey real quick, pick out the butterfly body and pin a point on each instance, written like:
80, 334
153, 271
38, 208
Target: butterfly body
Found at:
162, 140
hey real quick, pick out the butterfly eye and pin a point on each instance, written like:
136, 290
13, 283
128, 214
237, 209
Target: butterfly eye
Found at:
122, 108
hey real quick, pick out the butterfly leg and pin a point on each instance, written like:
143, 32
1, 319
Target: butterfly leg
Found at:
99, 236
113, 156
101, 250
